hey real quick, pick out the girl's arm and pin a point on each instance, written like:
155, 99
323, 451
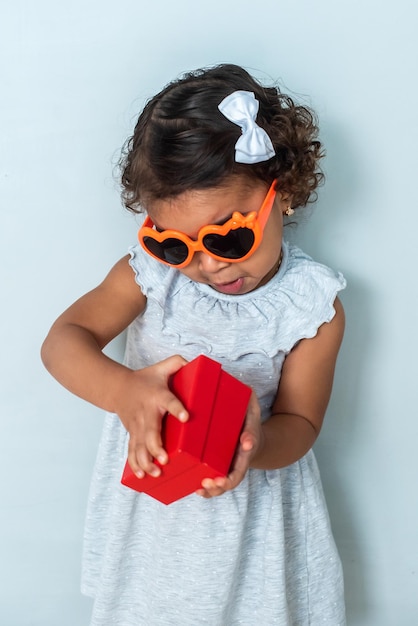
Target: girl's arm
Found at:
302, 398
72, 352
298, 411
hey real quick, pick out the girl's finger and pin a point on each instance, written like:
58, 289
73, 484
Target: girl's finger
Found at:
210, 493
247, 441
176, 408
154, 446
171, 365
144, 461
239, 468
168, 367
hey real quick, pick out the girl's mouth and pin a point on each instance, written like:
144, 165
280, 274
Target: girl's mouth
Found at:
233, 287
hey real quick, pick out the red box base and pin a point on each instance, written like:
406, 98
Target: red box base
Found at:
204, 446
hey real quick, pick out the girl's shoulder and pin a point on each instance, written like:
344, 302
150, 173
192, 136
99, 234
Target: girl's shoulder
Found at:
307, 277
155, 279
303, 295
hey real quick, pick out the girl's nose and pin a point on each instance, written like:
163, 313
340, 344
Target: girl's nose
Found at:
208, 264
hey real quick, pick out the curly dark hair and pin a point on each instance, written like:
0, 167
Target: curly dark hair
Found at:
182, 141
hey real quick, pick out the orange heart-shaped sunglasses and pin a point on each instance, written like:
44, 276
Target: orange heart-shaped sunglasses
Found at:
234, 241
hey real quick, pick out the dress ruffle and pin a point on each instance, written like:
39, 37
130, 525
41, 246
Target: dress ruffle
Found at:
299, 297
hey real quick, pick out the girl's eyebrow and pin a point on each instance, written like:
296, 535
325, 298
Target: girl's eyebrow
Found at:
222, 222
217, 223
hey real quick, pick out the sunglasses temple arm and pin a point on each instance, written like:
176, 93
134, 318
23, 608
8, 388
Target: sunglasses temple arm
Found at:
265, 210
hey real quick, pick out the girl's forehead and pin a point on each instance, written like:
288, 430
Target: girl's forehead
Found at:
191, 210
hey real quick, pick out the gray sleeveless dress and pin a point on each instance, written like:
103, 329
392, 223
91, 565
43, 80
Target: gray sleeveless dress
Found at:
260, 555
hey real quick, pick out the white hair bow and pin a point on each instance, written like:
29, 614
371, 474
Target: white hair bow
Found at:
254, 145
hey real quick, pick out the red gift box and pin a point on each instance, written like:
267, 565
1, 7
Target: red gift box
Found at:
204, 446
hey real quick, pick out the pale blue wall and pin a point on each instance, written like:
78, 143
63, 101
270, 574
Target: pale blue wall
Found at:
73, 74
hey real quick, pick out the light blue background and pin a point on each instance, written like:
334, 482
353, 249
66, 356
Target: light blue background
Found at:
73, 76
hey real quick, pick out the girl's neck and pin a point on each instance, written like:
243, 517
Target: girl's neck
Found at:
273, 270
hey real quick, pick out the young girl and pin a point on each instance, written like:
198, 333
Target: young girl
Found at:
216, 161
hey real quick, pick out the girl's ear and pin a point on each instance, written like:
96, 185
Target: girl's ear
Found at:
286, 202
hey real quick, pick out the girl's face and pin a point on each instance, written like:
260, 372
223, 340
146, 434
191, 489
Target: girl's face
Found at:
191, 210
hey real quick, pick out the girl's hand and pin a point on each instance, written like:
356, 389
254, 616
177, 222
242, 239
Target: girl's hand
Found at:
251, 440
145, 399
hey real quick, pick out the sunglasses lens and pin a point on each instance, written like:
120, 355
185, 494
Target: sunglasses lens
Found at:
172, 251
234, 245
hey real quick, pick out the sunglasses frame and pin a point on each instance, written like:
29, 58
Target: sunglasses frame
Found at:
254, 221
